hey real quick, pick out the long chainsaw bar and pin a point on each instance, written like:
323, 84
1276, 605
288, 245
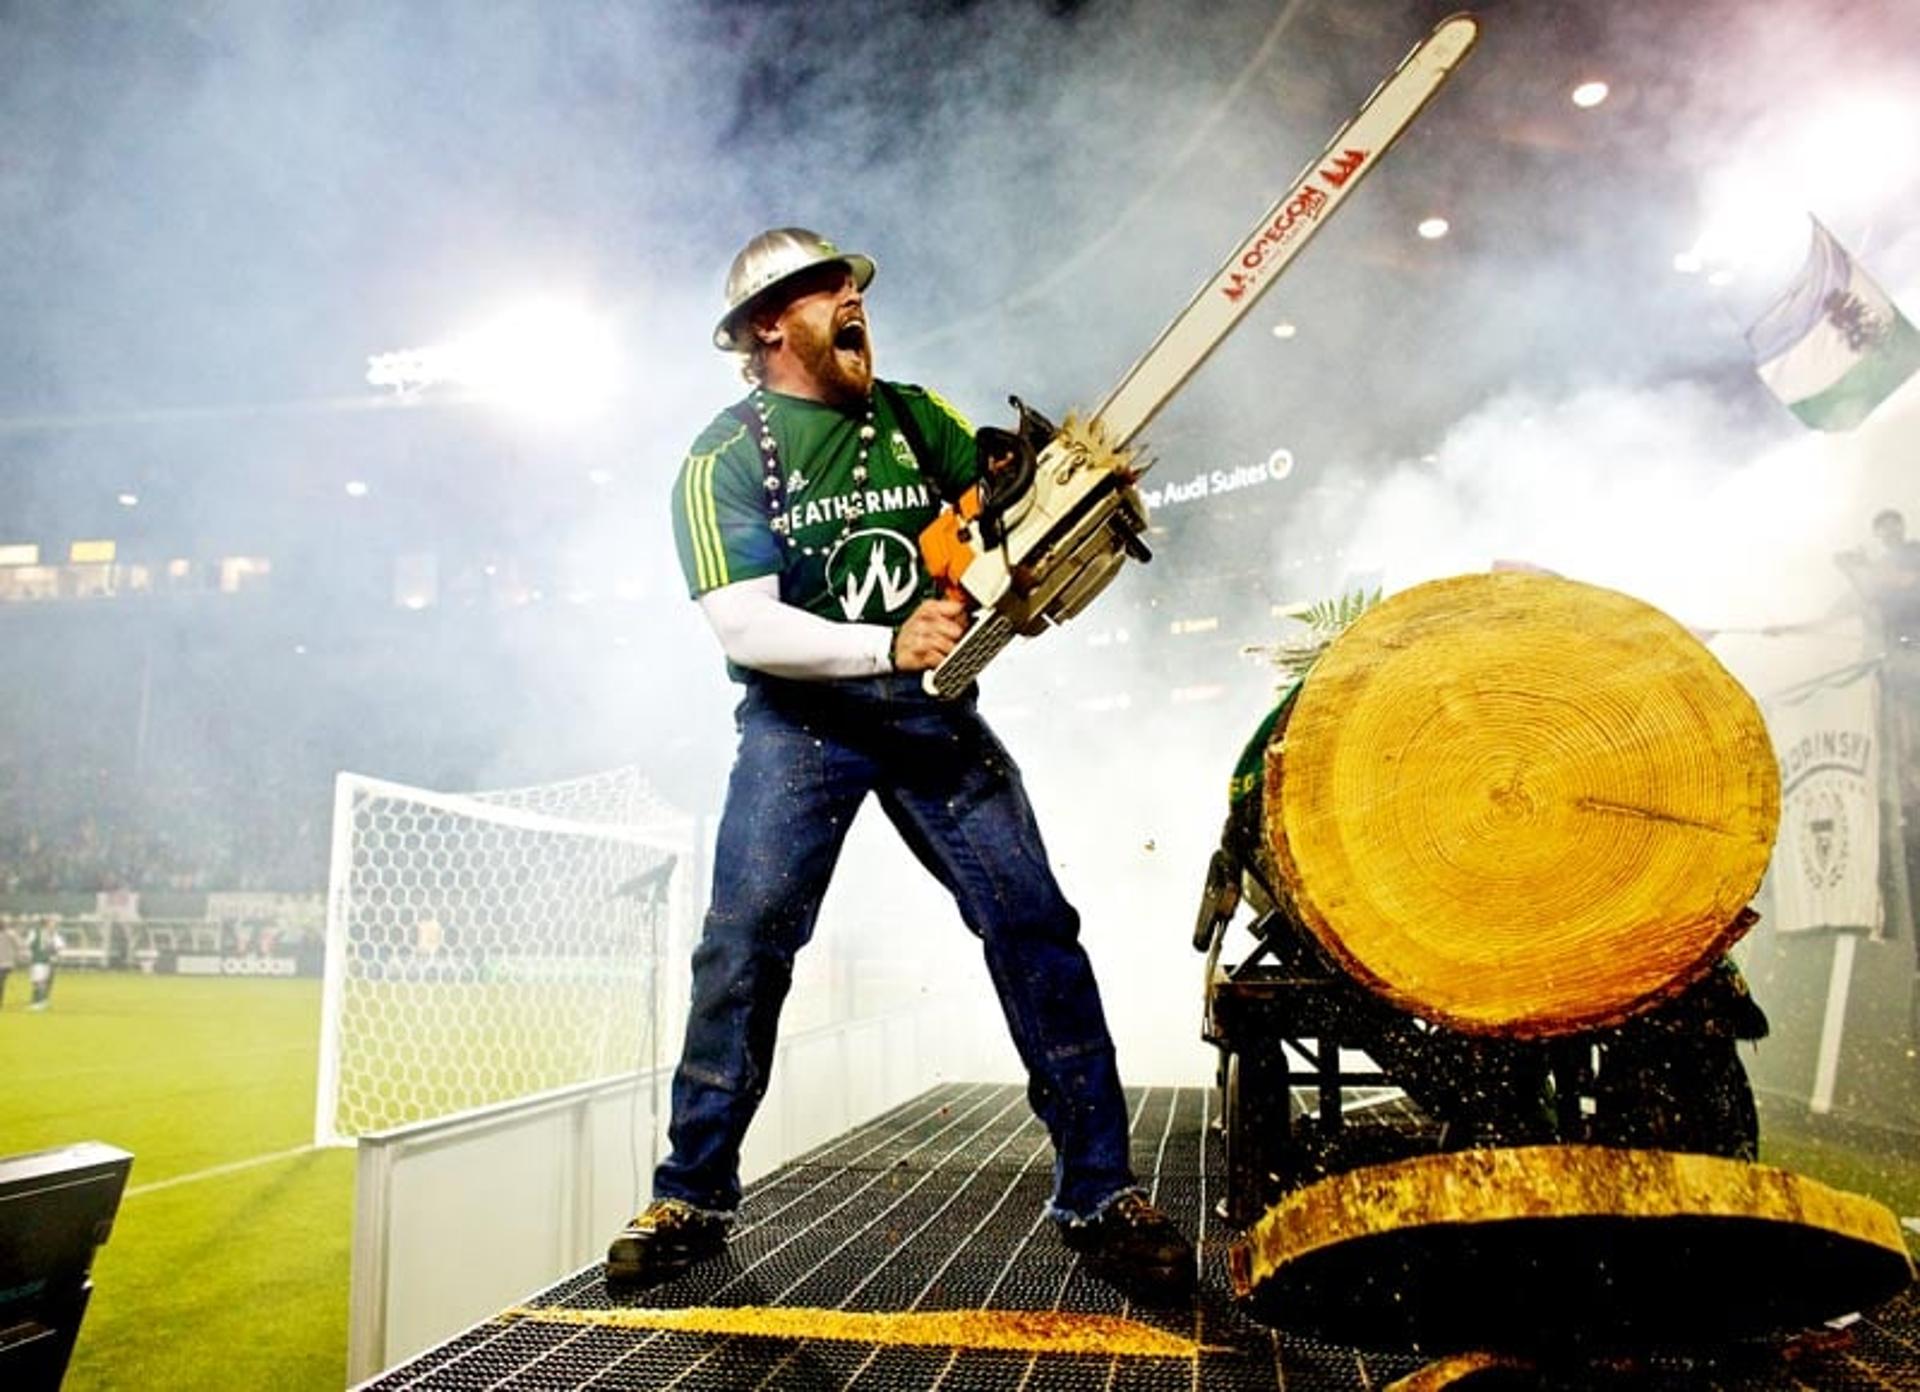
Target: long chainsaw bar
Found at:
1048, 553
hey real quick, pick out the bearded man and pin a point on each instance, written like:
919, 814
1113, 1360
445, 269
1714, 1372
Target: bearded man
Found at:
795, 516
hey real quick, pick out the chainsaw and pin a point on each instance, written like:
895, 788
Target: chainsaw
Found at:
1055, 513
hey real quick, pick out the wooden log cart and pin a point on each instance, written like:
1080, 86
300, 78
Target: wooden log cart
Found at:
1479, 1070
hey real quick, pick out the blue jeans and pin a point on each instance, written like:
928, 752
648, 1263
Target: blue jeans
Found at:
810, 752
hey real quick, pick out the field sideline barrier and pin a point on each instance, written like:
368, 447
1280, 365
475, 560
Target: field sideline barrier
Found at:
459, 1217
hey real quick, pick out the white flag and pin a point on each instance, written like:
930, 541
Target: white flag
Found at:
1826, 863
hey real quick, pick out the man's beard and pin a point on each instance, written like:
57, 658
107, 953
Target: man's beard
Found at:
844, 373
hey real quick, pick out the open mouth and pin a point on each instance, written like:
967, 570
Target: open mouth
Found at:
851, 337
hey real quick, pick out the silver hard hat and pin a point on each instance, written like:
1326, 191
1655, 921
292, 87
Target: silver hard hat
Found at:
770, 258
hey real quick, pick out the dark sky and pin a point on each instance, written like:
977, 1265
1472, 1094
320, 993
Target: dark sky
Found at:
230, 204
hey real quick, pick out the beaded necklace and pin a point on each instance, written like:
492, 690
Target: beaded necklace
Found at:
775, 480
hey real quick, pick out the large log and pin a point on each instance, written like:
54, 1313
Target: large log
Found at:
1522, 806
1552, 1247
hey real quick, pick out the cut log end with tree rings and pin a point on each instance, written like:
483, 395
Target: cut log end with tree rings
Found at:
1560, 1247
1521, 805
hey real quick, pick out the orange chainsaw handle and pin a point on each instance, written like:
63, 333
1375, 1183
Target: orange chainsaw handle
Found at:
944, 544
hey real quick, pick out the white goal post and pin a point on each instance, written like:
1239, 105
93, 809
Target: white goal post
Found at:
491, 946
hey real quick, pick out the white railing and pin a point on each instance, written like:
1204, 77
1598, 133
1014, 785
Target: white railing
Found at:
459, 1218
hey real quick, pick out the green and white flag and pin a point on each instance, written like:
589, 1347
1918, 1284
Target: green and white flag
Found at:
1835, 346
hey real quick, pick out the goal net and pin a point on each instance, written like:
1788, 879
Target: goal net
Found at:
489, 946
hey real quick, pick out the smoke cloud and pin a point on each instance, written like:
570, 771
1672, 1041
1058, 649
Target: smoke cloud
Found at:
215, 212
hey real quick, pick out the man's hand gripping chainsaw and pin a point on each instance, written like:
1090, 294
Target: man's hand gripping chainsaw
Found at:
1055, 513
1046, 528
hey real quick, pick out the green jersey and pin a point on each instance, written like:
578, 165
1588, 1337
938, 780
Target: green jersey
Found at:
1251, 771
848, 558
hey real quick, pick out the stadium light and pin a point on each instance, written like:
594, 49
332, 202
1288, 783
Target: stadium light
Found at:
1828, 159
547, 358
1590, 94
128, 499
1747, 222
356, 488
1284, 330
1433, 228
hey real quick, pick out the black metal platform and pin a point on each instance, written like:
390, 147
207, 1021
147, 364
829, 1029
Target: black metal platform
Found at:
938, 1206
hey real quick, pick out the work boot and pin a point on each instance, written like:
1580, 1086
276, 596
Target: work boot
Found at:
1136, 1247
667, 1238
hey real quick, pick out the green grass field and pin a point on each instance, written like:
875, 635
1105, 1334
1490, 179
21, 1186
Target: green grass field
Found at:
231, 1279
1884, 1173
470, 1044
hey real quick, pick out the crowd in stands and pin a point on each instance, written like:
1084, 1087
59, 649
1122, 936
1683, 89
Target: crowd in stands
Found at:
61, 833
179, 750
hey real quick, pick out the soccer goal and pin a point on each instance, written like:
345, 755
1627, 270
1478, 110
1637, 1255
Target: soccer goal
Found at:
492, 946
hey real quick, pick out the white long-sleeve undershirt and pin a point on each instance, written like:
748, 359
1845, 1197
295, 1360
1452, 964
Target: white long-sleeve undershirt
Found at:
758, 631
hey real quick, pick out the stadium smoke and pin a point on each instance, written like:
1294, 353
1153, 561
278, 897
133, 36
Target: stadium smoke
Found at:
229, 207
